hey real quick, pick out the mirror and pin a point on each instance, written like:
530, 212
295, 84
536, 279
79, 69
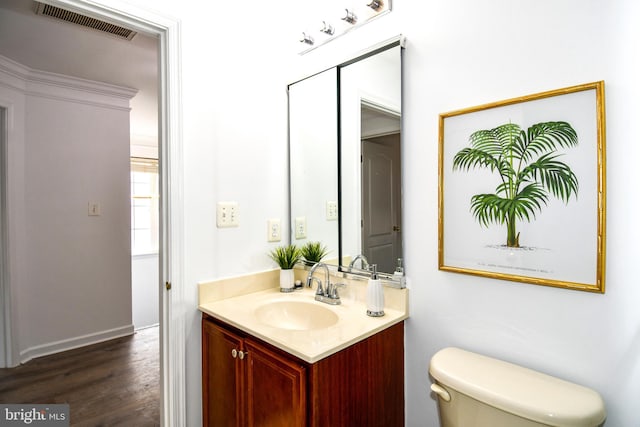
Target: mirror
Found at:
313, 156
370, 160
345, 161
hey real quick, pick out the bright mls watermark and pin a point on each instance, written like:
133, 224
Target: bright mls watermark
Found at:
34, 415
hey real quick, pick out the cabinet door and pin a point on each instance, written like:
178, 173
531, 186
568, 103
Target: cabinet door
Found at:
362, 385
276, 388
222, 379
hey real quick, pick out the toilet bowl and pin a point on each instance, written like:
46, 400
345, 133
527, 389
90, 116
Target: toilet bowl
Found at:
478, 391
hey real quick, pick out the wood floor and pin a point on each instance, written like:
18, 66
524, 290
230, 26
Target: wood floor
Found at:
115, 383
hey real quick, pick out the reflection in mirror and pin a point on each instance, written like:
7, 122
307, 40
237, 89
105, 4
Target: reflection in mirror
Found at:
370, 165
313, 154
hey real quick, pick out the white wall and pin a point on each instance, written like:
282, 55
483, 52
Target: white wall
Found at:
70, 272
459, 53
465, 53
235, 146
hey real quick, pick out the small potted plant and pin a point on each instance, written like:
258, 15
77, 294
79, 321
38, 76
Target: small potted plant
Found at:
313, 252
286, 257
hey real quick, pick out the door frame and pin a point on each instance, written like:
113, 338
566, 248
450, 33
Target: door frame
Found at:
171, 283
6, 358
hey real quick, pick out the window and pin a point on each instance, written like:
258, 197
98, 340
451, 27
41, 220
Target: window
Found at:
144, 206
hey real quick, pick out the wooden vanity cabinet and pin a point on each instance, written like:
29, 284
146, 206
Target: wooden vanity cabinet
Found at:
221, 377
360, 385
275, 388
245, 383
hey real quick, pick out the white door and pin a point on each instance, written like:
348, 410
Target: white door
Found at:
381, 210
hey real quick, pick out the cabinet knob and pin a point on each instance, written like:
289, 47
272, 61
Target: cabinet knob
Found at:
234, 353
242, 354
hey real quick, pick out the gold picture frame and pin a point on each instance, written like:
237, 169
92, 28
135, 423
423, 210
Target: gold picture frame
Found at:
521, 191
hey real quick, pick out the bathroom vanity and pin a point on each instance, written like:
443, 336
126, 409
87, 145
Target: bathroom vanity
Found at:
247, 382
274, 359
296, 359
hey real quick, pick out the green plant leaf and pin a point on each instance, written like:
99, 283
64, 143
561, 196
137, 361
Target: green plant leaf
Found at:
528, 167
542, 138
313, 251
286, 256
491, 208
557, 177
469, 158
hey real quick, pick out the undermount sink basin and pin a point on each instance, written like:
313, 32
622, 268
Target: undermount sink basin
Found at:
296, 315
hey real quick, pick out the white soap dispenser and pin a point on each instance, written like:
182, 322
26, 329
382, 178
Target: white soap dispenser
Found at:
375, 294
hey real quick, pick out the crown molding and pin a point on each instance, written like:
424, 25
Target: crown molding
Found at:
61, 87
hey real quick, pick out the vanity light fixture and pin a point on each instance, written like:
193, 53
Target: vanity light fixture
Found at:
354, 16
350, 17
327, 28
307, 39
375, 5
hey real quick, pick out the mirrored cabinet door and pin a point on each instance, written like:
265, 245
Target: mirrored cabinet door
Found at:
313, 151
345, 160
370, 160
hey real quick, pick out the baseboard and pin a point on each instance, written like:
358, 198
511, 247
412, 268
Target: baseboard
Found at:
155, 325
76, 342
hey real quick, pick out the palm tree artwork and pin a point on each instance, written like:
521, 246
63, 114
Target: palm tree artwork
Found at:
529, 170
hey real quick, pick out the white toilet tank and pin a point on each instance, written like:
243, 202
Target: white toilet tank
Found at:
478, 391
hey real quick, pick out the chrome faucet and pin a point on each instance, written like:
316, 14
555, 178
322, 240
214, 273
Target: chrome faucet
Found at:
327, 293
310, 278
364, 263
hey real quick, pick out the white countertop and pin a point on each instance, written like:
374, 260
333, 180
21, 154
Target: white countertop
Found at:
353, 324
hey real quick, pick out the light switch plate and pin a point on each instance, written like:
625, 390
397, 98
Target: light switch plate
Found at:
227, 215
332, 211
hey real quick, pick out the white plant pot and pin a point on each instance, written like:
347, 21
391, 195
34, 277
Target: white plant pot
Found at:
286, 280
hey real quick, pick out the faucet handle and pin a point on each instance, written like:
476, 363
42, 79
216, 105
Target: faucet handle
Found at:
319, 290
333, 290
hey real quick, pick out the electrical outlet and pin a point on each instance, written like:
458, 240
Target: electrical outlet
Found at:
332, 211
301, 227
227, 215
273, 230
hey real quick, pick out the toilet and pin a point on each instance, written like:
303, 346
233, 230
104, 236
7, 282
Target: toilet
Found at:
478, 391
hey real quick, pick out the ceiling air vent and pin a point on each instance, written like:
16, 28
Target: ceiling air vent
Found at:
85, 21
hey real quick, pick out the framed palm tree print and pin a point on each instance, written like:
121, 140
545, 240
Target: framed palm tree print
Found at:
522, 189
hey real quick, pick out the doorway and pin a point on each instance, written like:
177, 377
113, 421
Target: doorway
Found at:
381, 185
381, 210
172, 335
145, 228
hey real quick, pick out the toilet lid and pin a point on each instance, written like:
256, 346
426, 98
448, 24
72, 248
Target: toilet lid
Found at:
517, 390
